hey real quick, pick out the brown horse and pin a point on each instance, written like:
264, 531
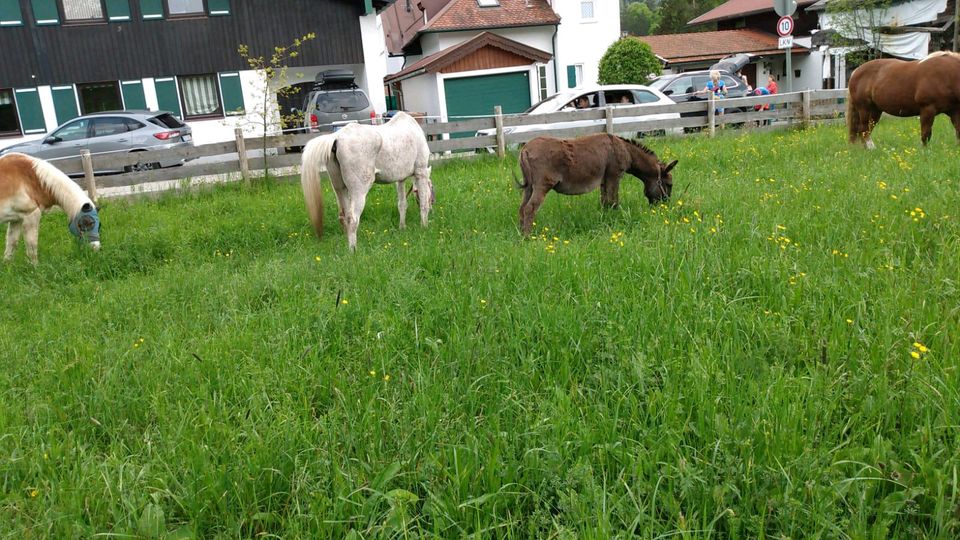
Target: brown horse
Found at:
579, 166
926, 88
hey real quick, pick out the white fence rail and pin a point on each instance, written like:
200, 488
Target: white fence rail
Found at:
798, 108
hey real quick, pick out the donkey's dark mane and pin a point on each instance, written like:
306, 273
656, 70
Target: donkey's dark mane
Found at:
638, 145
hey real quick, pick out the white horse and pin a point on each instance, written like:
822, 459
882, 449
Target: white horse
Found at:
28, 187
356, 157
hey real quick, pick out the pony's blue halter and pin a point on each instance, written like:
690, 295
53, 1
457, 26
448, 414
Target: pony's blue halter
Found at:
86, 224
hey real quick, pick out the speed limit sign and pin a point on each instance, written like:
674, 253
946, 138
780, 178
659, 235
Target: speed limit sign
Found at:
785, 26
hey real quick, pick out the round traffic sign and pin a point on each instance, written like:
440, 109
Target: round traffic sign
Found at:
785, 25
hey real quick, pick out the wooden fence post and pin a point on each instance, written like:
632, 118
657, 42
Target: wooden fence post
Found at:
498, 121
712, 115
806, 109
242, 154
608, 114
87, 161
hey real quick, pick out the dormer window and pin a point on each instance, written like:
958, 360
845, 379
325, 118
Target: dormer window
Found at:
488, 3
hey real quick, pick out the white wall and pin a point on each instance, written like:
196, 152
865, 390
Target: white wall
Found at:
583, 41
374, 60
421, 94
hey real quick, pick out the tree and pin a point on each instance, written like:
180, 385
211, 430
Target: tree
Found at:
675, 14
274, 83
628, 61
638, 19
858, 23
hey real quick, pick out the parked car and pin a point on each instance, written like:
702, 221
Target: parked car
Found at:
688, 86
615, 95
334, 101
111, 132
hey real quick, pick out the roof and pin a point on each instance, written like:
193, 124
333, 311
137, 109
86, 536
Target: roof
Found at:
704, 46
406, 20
739, 8
437, 61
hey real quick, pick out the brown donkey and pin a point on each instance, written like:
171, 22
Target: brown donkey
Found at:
578, 166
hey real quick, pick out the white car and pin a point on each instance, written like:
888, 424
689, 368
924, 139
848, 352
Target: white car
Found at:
616, 95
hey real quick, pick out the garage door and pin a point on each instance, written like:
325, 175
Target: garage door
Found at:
476, 96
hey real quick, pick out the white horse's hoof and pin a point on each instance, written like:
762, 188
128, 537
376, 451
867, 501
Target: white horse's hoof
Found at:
870, 145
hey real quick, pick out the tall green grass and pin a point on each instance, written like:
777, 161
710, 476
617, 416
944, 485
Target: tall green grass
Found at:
771, 355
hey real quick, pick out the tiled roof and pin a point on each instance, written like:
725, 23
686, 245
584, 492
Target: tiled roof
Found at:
405, 20
738, 8
701, 46
437, 61
468, 15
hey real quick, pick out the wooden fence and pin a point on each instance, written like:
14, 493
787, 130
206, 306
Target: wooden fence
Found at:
798, 108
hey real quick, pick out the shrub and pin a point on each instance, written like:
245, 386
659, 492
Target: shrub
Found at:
628, 61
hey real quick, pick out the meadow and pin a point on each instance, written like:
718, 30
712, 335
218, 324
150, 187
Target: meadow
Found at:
773, 354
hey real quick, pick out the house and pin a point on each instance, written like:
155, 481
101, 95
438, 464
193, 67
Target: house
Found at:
757, 21
905, 29
463, 57
64, 58
699, 50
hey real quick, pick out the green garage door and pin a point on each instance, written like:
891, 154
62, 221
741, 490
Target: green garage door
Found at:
476, 96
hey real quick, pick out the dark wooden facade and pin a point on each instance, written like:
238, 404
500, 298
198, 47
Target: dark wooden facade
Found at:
487, 58
109, 51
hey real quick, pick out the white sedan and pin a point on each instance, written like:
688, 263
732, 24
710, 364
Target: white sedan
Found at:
615, 95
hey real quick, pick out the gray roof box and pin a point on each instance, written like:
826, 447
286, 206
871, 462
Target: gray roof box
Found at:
335, 78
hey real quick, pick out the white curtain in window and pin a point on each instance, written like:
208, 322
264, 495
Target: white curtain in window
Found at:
79, 10
199, 95
586, 9
6, 97
181, 7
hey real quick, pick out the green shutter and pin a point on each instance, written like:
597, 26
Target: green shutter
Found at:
133, 97
10, 13
167, 97
45, 12
31, 112
218, 7
232, 94
118, 10
368, 7
64, 103
571, 76
151, 9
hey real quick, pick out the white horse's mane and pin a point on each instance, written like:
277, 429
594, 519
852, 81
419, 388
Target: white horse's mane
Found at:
67, 193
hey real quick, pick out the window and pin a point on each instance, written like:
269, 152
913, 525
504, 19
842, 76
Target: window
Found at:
586, 9
542, 79
488, 3
200, 95
113, 125
82, 10
74, 131
99, 97
184, 7
9, 124
643, 96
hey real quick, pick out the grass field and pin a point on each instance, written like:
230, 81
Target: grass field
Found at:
772, 355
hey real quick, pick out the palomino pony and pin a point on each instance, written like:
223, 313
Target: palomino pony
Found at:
582, 165
926, 88
28, 187
358, 156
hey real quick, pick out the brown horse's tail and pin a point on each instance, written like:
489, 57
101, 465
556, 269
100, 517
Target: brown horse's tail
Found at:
852, 123
523, 171
316, 154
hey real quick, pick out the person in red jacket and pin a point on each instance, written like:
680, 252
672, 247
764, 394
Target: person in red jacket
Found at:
771, 84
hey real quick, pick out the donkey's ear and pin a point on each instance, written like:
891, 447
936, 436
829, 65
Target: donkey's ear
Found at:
669, 166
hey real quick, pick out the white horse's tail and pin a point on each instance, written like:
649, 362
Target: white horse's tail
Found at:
317, 153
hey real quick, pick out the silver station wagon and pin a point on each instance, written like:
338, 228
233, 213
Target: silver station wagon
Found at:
111, 132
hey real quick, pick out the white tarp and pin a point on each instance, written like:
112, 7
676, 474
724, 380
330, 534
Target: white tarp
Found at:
908, 45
